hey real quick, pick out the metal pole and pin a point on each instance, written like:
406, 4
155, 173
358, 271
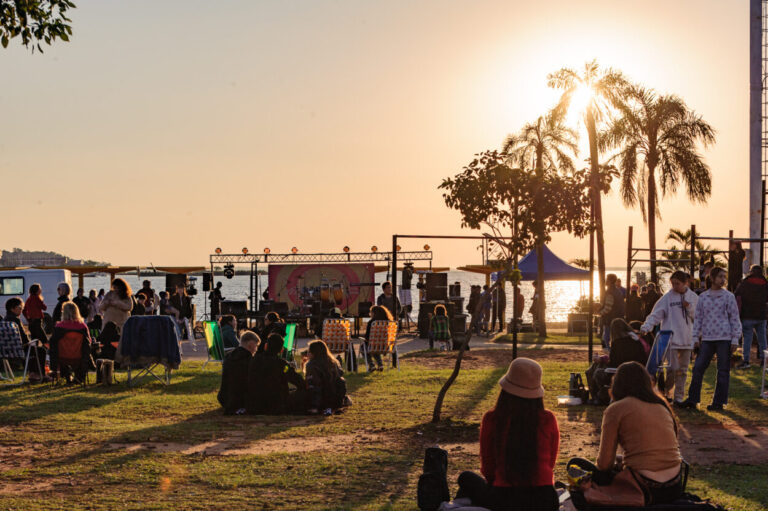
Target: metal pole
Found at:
629, 266
590, 334
755, 121
693, 250
762, 230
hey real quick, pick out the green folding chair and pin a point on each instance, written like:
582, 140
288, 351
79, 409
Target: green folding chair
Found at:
214, 342
289, 343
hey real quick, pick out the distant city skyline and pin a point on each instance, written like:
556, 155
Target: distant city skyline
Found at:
153, 139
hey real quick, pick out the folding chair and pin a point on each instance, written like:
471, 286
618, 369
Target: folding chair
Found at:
336, 335
141, 352
382, 341
74, 353
214, 341
763, 393
658, 361
289, 343
11, 348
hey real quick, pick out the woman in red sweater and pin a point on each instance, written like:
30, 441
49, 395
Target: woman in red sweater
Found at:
519, 441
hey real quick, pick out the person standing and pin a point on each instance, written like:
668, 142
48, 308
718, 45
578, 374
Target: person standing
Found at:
64, 291
216, 298
33, 311
388, 300
612, 307
151, 304
716, 330
499, 305
634, 305
117, 304
736, 257
620, 288
650, 298
752, 298
676, 311
405, 288
83, 303
94, 305
183, 303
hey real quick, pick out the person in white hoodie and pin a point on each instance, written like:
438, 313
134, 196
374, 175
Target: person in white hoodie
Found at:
675, 311
716, 331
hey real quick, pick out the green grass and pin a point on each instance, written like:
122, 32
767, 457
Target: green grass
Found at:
533, 338
68, 432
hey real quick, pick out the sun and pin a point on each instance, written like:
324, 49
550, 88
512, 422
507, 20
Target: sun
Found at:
580, 100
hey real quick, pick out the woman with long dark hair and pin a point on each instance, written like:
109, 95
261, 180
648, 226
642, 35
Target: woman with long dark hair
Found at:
378, 313
325, 383
519, 440
651, 454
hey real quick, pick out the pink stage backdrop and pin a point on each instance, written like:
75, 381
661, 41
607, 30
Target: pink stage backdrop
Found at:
287, 283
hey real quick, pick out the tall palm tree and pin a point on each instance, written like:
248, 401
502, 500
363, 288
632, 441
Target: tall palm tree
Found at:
547, 145
657, 137
603, 89
674, 260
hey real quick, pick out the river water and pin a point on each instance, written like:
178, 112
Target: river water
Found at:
561, 296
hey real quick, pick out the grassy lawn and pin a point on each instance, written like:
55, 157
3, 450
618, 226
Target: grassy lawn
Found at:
158, 448
533, 338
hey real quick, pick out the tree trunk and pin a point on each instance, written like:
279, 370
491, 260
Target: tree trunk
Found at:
542, 324
652, 223
594, 183
449, 382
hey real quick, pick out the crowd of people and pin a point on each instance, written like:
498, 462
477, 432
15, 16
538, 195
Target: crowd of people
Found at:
96, 320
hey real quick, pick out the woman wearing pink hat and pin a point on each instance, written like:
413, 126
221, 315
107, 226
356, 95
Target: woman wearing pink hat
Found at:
519, 441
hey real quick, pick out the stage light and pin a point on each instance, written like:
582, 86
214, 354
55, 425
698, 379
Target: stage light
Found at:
426, 247
374, 249
398, 247
218, 250
245, 251
346, 249
229, 270
266, 250
294, 250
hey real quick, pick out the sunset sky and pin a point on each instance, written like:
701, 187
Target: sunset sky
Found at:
167, 128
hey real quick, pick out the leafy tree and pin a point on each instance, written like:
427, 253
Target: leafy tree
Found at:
580, 263
492, 195
35, 21
603, 88
657, 138
547, 145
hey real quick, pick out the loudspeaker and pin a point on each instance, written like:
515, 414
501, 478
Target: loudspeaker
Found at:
172, 280
459, 324
237, 308
437, 286
207, 281
364, 309
281, 308
425, 310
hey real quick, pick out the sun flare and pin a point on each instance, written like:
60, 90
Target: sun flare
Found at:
580, 99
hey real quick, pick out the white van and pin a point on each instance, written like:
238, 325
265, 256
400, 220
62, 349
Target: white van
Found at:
17, 282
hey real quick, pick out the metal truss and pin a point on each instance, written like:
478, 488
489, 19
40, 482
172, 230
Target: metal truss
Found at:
338, 257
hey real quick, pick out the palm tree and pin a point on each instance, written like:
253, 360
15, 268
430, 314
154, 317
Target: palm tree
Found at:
602, 89
675, 260
658, 133
547, 145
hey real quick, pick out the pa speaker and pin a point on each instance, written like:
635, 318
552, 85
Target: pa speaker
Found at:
207, 281
364, 309
437, 286
237, 308
459, 324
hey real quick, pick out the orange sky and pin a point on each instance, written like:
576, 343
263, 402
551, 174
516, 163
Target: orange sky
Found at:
165, 129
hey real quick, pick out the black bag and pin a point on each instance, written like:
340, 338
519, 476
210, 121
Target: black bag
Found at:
576, 388
432, 489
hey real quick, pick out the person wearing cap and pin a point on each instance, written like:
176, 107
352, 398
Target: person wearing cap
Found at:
652, 453
752, 298
519, 441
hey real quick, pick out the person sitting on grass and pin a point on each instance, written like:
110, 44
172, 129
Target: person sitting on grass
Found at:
228, 335
269, 377
519, 440
234, 375
272, 325
71, 324
13, 310
378, 313
439, 327
327, 388
651, 454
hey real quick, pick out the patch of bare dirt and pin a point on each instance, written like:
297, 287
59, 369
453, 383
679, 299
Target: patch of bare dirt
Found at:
701, 444
490, 358
236, 446
26, 487
18, 456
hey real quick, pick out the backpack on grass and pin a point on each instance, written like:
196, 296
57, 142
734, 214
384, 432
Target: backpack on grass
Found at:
432, 489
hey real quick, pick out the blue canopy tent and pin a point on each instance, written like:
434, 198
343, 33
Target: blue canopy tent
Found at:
554, 268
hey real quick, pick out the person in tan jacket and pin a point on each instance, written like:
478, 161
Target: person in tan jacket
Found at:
117, 304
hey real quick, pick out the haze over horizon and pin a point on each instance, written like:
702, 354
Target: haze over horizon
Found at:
156, 138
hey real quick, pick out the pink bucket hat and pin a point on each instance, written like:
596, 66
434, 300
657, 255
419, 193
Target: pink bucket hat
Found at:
523, 379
